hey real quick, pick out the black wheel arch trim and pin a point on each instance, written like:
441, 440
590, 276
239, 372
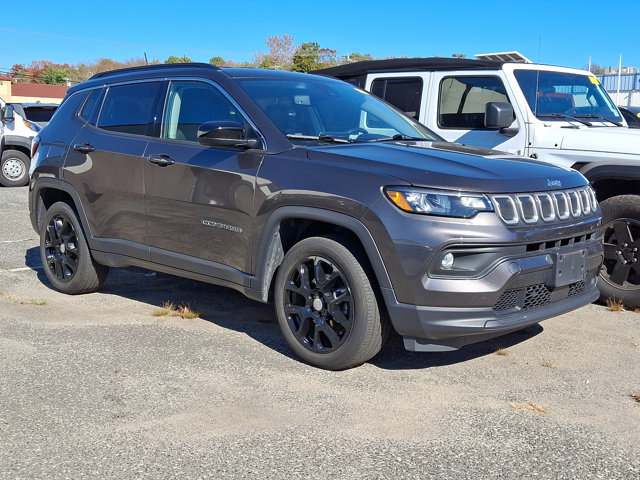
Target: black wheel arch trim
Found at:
9, 141
597, 171
270, 252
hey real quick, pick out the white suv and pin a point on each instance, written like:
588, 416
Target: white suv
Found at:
20, 122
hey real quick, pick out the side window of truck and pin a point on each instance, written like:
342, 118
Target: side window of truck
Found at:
462, 100
403, 92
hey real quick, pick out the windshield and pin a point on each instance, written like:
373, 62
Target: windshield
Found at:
329, 111
557, 95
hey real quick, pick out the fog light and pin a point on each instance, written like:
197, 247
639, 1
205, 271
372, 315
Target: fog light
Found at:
447, 261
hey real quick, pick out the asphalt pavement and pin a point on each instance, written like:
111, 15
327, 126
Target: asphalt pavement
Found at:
98, 387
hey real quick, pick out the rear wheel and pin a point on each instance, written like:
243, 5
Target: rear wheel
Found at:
326, 307
65, 254
620, 274
14, 170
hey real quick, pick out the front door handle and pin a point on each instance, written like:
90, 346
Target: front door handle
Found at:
84, 147
161, 159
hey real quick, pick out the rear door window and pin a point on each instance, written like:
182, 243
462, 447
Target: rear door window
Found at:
130, 108
403, 92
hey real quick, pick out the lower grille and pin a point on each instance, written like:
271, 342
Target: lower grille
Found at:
537, 296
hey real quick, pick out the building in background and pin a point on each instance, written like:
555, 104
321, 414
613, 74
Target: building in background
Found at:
623, 89
30, 92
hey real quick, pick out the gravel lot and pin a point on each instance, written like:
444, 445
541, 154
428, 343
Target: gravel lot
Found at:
96, 386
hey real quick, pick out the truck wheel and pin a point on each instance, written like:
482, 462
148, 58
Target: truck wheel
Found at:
15, 169
65, 254
326, 307
620, 274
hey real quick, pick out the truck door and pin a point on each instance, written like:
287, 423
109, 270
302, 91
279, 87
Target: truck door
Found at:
456, 109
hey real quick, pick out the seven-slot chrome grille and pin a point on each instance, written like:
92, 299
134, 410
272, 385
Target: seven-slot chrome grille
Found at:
523, 209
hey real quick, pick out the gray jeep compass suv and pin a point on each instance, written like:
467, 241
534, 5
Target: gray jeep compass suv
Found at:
350, 216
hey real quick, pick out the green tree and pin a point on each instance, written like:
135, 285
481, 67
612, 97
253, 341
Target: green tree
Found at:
357, 57
174, 59
219, 61
306, 58
53, 76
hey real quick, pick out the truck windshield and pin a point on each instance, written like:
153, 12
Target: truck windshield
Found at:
323, 110
560, 96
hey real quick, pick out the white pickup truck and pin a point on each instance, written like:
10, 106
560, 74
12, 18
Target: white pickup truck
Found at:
554, 114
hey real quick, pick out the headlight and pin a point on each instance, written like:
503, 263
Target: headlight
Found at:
438, 202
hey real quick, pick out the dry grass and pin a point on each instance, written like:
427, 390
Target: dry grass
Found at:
635, 397
7, 295
547, 364
502, 351
170, 309
39, 303
615, 305
529, 407
636, 310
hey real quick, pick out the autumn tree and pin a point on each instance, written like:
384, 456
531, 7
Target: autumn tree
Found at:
280, 55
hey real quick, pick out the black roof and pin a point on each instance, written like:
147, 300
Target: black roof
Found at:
408, 64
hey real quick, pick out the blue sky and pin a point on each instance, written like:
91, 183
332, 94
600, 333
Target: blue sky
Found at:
556, 32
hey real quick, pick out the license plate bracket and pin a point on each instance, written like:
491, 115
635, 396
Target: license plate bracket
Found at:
569, 268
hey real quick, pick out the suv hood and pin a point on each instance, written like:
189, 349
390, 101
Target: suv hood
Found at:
452, 166
602, 139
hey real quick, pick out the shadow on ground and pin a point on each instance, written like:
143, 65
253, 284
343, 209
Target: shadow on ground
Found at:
232, 310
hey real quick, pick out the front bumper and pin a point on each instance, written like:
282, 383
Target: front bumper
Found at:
516, 293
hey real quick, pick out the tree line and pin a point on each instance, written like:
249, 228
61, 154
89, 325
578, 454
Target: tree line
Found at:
282, 54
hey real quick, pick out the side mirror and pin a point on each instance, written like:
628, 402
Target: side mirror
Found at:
226, 134
7, 115
498, 115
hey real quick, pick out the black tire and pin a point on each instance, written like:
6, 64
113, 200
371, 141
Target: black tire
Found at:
14, 170
620, 274
325, 304
65, 255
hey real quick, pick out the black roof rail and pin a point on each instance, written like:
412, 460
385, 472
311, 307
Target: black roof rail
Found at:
155, 66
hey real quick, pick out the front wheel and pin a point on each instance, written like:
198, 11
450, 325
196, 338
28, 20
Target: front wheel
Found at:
14, 170
620, 274
326, 307
65, 254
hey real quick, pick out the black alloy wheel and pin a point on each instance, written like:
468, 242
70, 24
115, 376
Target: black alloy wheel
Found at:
65, 254
621, 253
61, 248
620, 273
318, 304
326, 306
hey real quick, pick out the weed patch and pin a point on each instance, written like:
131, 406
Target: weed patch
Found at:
615, 305
502, 351
38, 303
170, 309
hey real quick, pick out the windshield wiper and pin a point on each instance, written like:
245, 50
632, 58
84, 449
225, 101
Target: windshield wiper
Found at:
562, 115
320, 138
591, 115
398, 136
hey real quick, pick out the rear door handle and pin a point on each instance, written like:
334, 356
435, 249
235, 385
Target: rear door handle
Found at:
84, 147
161, 159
